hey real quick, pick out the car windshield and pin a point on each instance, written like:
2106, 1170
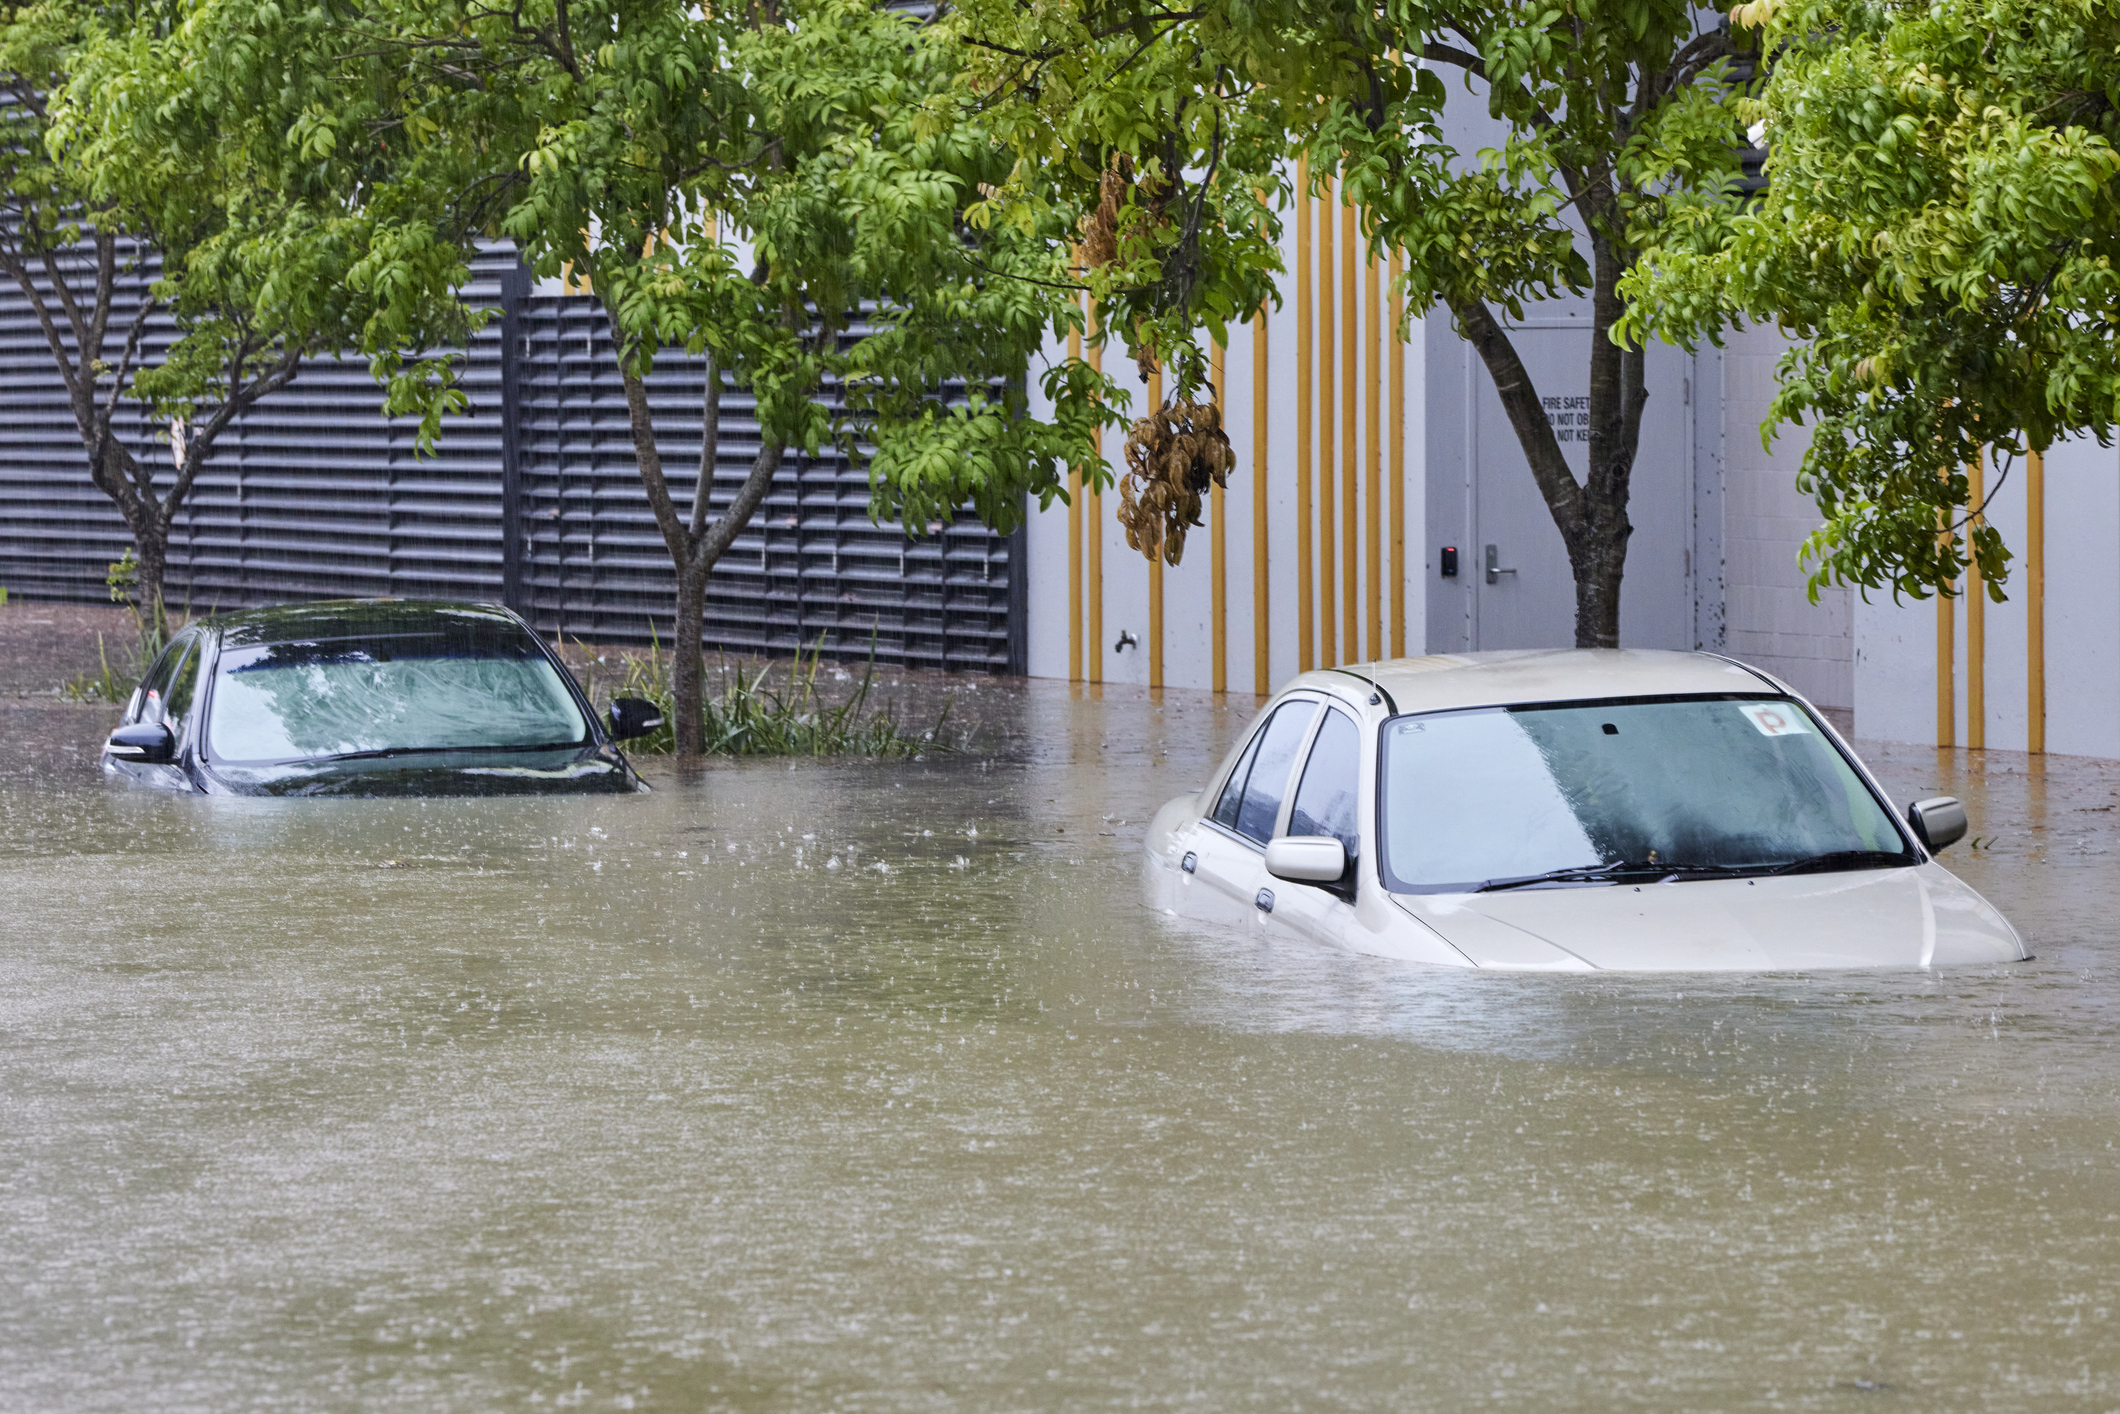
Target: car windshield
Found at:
462, 685
1509, 795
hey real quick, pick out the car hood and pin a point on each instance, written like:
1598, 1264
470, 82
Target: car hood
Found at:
1918, 917
572, 771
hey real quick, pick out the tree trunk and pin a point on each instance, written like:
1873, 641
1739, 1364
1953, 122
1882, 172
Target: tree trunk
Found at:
1617, 397
151, 554
116, 472
1598, 571
688, 661
1591, 515
695, 547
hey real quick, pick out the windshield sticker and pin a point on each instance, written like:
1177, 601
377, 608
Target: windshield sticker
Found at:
1775, 719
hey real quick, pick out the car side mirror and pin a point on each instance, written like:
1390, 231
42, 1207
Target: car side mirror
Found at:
1939, 821
1306, 859
633, 716
151, 743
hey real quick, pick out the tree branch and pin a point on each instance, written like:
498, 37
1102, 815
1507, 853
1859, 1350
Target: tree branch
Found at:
749, 497
647, 459
106, 281
47, 255
709, 447
1520, 400
11, 261
242, 397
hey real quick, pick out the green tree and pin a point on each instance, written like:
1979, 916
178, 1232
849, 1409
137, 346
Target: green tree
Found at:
141, 181
1940, 230
782, 188
1163, 124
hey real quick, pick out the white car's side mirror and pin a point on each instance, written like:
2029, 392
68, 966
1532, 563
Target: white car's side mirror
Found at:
1306, 859
1939, 821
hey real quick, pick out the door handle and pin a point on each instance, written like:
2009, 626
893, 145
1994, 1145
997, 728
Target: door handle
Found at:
1495, 568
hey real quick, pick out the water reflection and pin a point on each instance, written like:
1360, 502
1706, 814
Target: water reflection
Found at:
875, 1087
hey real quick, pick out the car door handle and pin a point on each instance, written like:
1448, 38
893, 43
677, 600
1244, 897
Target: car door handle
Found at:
1495, 568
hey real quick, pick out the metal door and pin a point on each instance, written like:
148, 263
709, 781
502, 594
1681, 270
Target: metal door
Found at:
1513, 588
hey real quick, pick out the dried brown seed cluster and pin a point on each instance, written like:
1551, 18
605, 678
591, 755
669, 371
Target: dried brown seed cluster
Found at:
1100, 229
1171, 458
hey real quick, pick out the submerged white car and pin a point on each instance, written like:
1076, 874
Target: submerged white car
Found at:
1569, 811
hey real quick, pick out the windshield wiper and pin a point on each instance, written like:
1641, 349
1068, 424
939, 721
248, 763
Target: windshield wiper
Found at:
1851, 858
1652, 870
1612, 873
1581, 874
384, 753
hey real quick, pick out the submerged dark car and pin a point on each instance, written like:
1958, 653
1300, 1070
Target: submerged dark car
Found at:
370, 697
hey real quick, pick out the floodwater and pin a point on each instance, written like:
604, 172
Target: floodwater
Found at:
862, 1087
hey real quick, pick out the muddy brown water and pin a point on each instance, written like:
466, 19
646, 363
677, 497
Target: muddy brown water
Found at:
865, 1087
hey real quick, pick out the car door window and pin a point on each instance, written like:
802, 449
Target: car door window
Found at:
1325, 801
1274, 756
1225, 811
183, 691
154, 688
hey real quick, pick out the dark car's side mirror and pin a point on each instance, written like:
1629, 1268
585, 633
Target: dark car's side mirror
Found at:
150, 743
633, 716
1939, 821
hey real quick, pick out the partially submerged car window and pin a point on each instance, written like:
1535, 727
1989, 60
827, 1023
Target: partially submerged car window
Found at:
1263, 776
1325, 801
1475, 798
1225, 812
183, 689
464, 684
148, 698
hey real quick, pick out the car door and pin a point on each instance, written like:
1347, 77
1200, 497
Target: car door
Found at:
1327, 796
1229, 844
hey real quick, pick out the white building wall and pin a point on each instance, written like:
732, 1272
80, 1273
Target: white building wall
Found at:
1045, 543
1769, 618
2083, 600
1894, 669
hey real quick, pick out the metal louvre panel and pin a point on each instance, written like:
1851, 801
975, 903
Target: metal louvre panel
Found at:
531, 499
811, 567
315, 494
58, 533
312, 494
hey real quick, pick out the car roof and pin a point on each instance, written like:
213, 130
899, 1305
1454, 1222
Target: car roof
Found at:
356, 618
1444, 681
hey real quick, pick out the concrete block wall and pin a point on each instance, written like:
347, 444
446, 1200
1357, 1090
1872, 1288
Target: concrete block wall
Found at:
1769, 617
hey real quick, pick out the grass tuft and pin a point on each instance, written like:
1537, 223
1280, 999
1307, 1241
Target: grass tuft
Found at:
150, 637
752, 716
108, 684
